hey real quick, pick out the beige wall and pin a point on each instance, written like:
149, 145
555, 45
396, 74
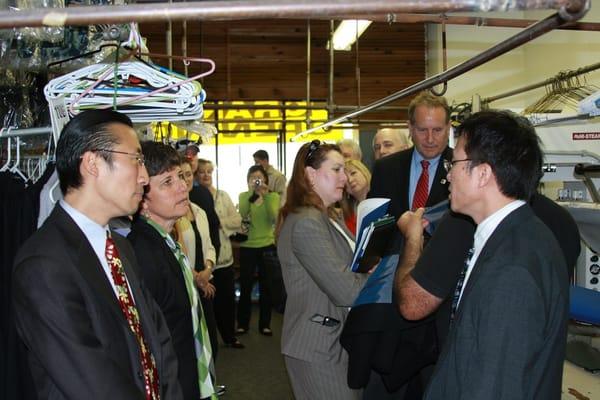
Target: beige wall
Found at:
534, 62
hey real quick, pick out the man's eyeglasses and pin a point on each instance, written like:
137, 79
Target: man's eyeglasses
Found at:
449, 164
139, 158
314, 146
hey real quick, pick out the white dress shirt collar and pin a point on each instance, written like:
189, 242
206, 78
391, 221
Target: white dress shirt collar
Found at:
95, 234
484, 231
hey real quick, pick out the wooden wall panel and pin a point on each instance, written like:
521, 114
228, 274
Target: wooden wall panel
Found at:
266, 60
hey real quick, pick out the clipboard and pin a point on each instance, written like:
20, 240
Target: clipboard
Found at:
376, 239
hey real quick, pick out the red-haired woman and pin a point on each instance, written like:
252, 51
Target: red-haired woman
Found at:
315, 250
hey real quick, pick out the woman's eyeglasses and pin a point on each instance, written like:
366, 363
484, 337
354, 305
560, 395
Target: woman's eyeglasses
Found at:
314, 146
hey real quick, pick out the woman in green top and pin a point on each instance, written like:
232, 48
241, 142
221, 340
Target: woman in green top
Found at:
260, 207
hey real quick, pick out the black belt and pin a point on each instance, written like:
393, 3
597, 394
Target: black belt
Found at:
323, 320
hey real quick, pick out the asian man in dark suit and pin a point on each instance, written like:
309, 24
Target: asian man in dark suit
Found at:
90, 327
510, 306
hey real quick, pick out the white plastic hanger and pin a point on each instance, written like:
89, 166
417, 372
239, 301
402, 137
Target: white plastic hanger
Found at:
169, 95
8, 151
15, 168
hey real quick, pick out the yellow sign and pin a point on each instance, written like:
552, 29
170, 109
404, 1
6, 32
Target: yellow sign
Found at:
251, 124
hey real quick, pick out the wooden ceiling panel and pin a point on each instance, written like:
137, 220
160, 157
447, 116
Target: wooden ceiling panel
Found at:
266, 60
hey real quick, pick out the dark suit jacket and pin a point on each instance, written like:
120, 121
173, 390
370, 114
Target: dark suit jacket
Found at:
201, 196
509, 334
376, 337
391, 179
442, 260
161, 273
78, 340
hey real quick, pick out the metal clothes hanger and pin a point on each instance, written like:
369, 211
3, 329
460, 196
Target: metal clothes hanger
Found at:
84, 55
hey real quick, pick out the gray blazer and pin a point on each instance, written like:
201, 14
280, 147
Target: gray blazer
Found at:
315, 260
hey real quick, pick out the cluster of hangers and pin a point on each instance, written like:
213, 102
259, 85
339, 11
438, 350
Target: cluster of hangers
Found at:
144, 91
191, 131
29, 169
565, 92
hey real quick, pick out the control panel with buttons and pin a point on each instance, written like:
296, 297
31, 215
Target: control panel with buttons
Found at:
588, 268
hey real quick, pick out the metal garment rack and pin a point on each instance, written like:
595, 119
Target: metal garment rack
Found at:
9, 133
254, 9
566, 75
569, 11
553, 21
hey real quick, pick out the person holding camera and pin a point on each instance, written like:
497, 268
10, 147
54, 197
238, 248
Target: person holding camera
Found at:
260, 207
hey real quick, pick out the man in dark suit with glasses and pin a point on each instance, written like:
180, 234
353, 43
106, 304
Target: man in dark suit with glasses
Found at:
90, 328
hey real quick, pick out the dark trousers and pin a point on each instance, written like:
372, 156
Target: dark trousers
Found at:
224, 303
412, 390
211, 325
278, 293
250, 260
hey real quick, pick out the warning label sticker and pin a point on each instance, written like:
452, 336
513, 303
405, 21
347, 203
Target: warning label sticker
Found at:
586, 135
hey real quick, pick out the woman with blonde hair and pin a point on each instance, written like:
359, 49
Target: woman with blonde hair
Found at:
357, 188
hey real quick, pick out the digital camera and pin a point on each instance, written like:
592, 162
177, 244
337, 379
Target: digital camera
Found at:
257, 182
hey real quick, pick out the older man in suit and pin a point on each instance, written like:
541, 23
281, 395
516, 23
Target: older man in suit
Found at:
401, 351
510, 306
416, 177
90, 328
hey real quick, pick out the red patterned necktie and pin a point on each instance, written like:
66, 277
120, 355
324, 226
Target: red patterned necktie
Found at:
422, 190
133, 319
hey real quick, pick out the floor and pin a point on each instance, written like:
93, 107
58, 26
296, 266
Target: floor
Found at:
256, 372
579, 384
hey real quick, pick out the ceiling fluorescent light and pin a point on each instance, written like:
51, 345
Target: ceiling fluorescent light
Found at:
347, 32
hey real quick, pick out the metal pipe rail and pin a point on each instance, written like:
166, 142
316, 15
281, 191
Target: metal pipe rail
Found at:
9, 133
230, 105
478, 21
526, 35
549, 81
223, 10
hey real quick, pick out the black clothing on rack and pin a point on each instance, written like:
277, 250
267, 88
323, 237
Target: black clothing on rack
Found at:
19, 205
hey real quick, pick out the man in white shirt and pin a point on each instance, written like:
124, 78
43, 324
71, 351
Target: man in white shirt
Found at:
510, 306
91, 329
